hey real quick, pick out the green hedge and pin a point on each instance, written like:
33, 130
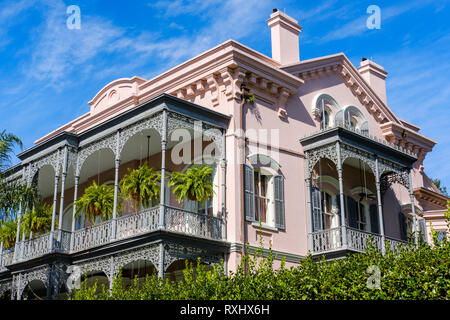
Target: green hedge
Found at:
421, 273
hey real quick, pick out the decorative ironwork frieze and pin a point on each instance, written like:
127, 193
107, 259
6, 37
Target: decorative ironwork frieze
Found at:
5, 286
52, 159
107, 142
395, 177
155, 122
314, 155
22, 279
348, 151
148, 253
174, 252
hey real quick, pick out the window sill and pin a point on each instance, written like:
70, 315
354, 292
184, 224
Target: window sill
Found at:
264, 226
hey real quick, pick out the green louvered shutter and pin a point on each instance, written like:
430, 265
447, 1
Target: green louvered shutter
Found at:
352, 212
278, 190
374, 225
423, 230
316, 209
249, 191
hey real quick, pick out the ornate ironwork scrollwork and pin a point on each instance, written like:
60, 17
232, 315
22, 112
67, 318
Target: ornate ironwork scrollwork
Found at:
174, 252
314, 155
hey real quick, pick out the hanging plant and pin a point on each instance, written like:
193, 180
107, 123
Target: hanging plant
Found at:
39, 219
142, 185
8, 231
250, 99
247, 94
195, 184
97, 201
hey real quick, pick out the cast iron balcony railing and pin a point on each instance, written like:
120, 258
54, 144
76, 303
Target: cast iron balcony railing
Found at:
146, 221
366, 134
199, 225
330, 240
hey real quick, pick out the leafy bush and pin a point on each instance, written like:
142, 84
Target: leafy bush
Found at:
422, 273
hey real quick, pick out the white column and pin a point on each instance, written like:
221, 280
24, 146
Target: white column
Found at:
223, 166
161, 261
75, 198
63, 183
380, 207
1, 254
55, 201
163, 171
413, 210
341, 195
116, 185
308, 201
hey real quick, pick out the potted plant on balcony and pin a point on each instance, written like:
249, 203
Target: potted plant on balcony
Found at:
195, 184
141, 185
97, 200
39, 219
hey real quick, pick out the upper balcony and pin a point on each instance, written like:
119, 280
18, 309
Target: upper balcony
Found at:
160, 133
175, 220
359, 189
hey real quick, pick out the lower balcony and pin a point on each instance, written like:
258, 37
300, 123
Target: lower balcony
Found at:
146, 221
330, 241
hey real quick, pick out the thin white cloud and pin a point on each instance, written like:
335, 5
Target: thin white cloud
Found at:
358, 26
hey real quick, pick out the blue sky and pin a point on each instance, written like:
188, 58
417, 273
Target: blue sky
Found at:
48, 73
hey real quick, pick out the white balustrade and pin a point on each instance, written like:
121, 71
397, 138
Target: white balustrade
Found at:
200, 225
134, 224
394, 244
93, 236
177, 220
35, 247
359, 240
327, 240
7, 259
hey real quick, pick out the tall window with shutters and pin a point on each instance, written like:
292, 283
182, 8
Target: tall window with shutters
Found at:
264, 197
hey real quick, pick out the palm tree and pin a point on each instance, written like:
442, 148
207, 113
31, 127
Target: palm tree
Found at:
141, 185
39, 219
195, 184
7, 143
8, 231
97, 201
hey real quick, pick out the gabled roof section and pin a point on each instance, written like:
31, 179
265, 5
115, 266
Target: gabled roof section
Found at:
395, 130
314, 68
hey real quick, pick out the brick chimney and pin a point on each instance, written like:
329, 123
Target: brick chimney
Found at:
375, 76
284, 33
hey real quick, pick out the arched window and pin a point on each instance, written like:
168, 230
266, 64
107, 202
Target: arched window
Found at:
324, 106
354, 119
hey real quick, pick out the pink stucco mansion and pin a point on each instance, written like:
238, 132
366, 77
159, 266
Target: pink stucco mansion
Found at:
307, 156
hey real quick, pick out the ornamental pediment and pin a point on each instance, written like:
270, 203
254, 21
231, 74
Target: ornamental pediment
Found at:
115, 92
